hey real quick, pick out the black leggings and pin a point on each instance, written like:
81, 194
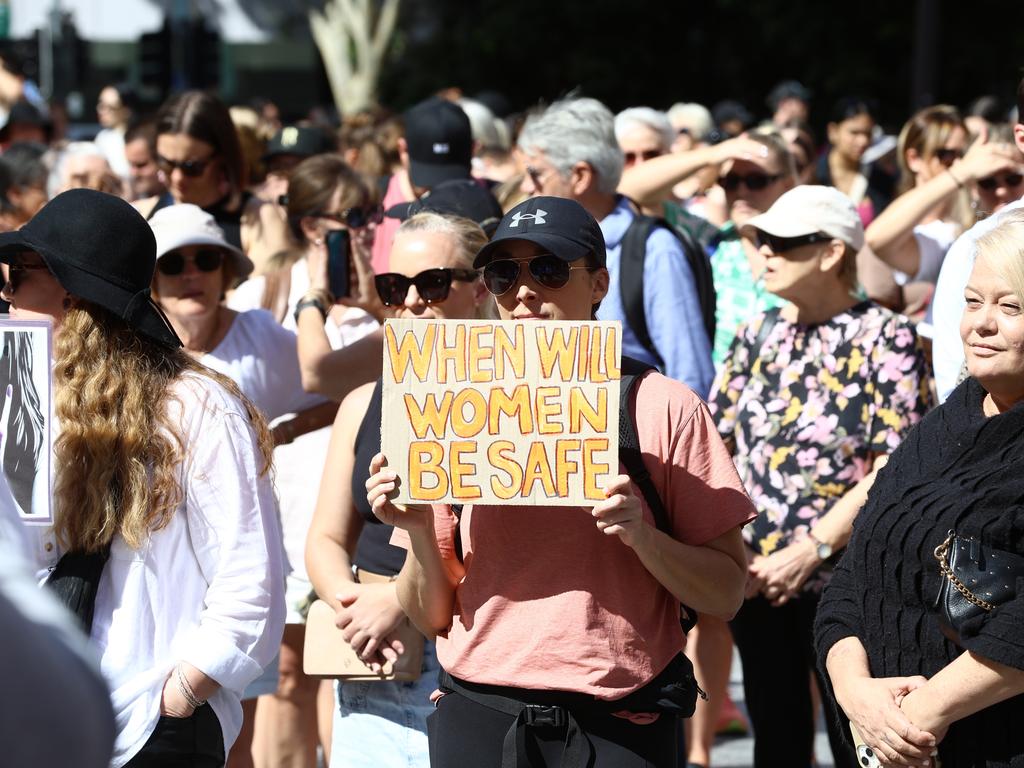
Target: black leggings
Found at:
777, 653
464, 733
183, 742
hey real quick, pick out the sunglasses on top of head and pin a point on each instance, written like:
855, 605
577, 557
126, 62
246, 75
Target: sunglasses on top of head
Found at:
191, 168
1009, 180
432, 285
752, 181
354, 218
783, 244
546, 270
206, 260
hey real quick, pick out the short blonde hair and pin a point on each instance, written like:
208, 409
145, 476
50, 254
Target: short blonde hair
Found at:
468, 236
1003, 249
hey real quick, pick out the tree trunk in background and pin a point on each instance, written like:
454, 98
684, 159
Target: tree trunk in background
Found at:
353, 36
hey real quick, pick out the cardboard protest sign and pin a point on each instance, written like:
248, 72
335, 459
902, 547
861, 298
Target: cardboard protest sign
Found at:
26, 394
492, 412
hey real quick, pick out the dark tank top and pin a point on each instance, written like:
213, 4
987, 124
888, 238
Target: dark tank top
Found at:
229, 221
374, 551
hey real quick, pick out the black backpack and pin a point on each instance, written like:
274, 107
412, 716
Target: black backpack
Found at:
631, 278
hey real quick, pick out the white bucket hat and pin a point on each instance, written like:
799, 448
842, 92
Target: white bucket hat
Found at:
185, 224
812, 208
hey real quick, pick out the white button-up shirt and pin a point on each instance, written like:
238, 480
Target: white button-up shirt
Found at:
208, 588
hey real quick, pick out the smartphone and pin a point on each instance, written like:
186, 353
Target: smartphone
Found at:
339, 246
865, 755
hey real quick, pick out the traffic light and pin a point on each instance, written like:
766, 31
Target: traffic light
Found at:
155, 60
202, 54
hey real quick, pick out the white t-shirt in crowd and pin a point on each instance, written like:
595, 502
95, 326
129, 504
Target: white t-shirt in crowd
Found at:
208, 588
298, 466
934, 240
261, 358
948, 303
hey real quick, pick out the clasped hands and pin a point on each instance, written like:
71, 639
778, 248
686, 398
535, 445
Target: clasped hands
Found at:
893, 717
780, 575
367, 617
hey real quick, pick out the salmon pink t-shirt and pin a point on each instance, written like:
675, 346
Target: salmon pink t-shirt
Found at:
549, 602
385, 234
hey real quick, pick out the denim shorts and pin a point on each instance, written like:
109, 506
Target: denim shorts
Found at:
384, 724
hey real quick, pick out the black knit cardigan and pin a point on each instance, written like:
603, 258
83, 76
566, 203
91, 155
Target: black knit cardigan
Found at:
956, 470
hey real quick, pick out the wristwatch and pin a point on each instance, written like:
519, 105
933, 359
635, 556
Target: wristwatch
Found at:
823, 550
312, 301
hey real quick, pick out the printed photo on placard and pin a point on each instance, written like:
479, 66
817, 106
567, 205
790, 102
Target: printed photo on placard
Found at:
25, 416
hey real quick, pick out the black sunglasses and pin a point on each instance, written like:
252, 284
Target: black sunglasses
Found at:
191, 168
354, 218
206, 260
649, 154
1009, 180
546, 269
784, 244
16, 271
753, 181
948, 156
432, 285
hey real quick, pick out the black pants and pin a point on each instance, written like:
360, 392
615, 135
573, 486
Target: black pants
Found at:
777, 651
463, 733
183, 742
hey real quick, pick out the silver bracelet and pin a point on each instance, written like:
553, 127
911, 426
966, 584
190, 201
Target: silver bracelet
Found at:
186, 690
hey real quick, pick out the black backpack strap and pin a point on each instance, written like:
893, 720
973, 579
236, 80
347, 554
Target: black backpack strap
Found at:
703, 279
632, 459
629, 442
632, 254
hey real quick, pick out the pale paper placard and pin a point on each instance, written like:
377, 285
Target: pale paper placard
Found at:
26, 398
493, 412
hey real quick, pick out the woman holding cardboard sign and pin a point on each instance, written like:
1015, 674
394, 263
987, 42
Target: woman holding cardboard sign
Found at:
383, 723
558, 627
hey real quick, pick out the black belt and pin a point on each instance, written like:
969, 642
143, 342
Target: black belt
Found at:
673, 692
577, 750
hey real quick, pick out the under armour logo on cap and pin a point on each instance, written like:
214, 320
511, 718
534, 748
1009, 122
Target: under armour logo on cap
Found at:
441, 149
537, 218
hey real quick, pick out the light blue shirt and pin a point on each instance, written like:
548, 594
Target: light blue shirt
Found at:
948, 303
671, 304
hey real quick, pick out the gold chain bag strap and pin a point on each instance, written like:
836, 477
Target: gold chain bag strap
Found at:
977, 579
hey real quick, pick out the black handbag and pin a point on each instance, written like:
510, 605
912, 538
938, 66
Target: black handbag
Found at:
977, 579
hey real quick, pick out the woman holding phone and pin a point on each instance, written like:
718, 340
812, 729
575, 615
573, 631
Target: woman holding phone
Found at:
325, 196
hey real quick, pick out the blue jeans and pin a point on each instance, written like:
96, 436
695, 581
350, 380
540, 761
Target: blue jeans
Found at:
384, 724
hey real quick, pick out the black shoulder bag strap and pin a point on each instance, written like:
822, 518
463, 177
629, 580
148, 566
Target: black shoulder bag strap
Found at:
632, 459
632, 254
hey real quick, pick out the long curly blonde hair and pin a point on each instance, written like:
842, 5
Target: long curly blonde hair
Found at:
118, 450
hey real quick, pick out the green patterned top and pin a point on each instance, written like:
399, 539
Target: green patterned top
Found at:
738, 296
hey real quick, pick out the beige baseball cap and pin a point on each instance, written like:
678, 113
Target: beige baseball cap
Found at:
812, 208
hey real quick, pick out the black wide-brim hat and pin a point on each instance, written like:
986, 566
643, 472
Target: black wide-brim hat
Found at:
100, 249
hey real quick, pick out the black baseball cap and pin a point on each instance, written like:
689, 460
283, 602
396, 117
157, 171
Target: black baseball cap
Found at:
299, 140
439, 141
558, 225
459, 197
